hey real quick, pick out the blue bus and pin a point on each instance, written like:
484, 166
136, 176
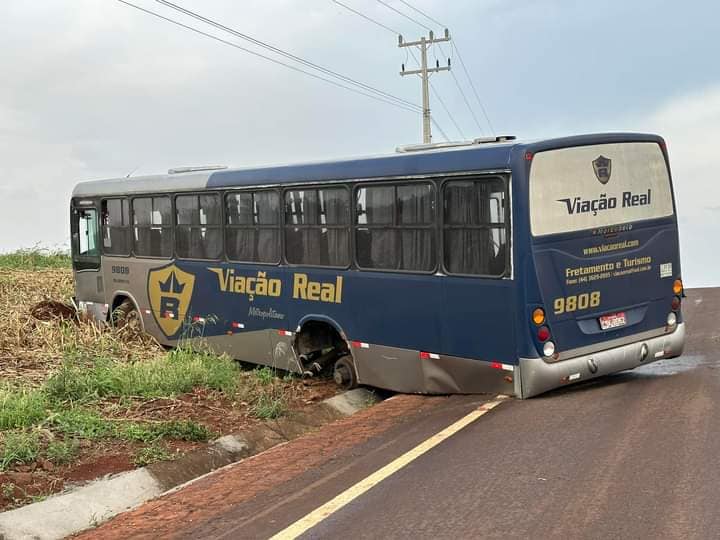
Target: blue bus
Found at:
488, 266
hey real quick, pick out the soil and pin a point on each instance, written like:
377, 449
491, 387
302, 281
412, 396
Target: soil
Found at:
27, 483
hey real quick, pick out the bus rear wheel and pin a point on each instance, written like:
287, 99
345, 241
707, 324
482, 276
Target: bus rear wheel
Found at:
125, 315
344, 373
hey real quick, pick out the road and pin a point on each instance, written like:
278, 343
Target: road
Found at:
628, 456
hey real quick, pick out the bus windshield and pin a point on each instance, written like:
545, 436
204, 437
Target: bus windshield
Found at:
585, 187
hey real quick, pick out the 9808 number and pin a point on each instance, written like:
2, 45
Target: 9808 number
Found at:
576, 302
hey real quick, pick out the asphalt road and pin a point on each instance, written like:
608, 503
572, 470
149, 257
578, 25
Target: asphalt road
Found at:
632, 455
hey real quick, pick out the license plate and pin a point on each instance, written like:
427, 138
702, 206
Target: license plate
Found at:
613, 320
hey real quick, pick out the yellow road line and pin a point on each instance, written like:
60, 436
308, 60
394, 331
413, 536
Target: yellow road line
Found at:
316, 516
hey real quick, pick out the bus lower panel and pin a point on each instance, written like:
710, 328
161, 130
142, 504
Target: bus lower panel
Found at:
403, 370
537, 376
264, 347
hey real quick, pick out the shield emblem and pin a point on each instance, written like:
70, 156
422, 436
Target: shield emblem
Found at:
603, 169
170, 291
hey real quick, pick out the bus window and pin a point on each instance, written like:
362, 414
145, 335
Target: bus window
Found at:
198, 234
474, 227
116, 226
86, 244
84, 228
587, 187
152, 220
395, 227
316, 226
253, 226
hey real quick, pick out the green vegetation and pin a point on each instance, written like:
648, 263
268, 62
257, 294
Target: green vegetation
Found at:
269, 406
180, 371
82, 423
19, 447
85, 378
62, 452
264, 375
35, 258
151, 454
21, 407
179, 430
49, 420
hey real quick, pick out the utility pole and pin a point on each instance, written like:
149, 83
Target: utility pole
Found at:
424, 73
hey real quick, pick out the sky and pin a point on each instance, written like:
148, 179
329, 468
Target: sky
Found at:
95, 89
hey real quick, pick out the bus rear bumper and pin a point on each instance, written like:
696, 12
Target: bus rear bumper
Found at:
537, 376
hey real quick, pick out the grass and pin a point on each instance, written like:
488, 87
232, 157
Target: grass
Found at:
64, 384
19, 447
35, 258
60, 443
180, 371
31, 349
21, 407
269, 406
151, 454
81, 423
62, 452
179, 430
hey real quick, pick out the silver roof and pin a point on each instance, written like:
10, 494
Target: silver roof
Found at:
143, 184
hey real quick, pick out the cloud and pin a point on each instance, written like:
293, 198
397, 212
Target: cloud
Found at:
690, 125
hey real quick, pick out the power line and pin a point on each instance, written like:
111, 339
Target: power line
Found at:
440, 99
465, 99
282, 52
366, 17
273, 60
462, 62
428, 17
437, 94
447, 139
408, 17
472, 85
447, 111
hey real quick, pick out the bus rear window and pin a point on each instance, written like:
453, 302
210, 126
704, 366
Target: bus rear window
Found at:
586, 187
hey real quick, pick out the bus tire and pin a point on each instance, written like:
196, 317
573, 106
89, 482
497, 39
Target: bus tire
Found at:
126, 314
344, 373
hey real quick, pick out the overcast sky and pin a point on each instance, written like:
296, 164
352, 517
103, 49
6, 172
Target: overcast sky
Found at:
93, 88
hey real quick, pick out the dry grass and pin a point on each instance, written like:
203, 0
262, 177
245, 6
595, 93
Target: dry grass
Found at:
73, 391
30, 350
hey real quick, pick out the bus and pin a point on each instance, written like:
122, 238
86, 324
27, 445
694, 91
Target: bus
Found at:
486, 266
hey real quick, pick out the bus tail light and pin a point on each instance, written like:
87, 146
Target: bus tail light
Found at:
549, 349
671, 319
678, 287
538, 316
676, 303
543, 334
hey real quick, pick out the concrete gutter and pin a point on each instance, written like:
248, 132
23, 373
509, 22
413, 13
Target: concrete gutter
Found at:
81, 508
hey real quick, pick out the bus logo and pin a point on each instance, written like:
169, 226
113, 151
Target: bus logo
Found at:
603, 169
170, 291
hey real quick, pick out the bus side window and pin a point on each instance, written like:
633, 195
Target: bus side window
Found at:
152, 227
317, 226
474, 227
253, 226
87, 229
395, 227
116, 226
198, 232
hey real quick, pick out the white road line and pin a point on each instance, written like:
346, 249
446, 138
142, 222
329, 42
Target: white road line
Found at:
316, 516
